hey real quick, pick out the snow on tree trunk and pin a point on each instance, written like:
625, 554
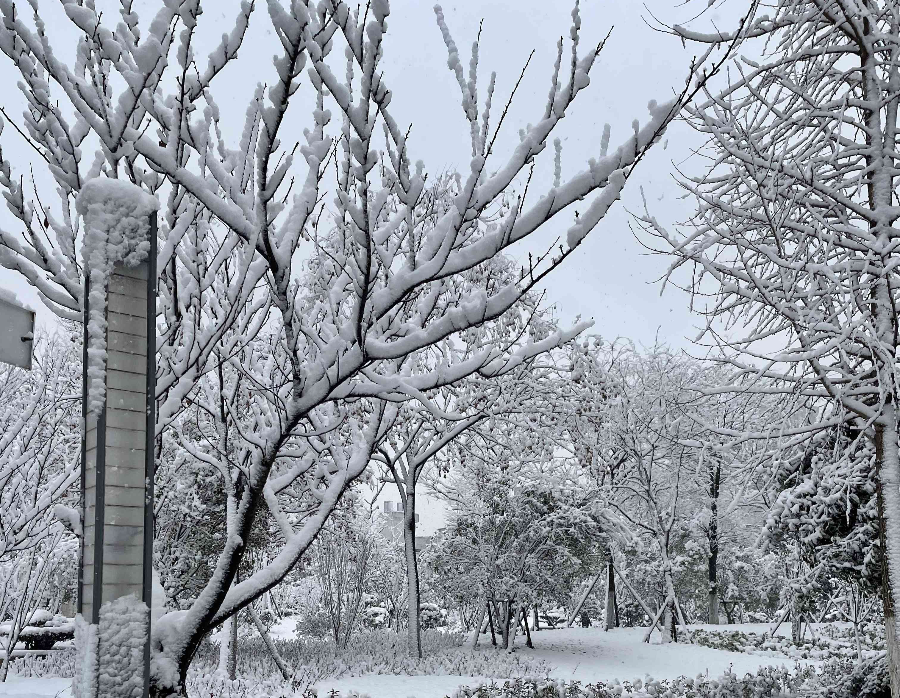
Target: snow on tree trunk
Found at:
888, 598
414, 630
518, 610
668, 630
228, 649
669, 617
480, 625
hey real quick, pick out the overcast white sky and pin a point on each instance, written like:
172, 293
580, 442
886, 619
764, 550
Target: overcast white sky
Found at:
610, 278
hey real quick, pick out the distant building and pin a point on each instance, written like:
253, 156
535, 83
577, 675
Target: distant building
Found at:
392, 518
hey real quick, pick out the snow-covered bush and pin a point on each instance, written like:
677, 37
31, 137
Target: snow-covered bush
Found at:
768, 682
59, 663
431, 616
830, 643
374, 652
870, 679
376, 617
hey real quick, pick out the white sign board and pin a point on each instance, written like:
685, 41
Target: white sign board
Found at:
16, 334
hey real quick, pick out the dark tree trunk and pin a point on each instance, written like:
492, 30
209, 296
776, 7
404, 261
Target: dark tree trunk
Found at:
527, 629
491, 623
611, 612
414, 630
714, 484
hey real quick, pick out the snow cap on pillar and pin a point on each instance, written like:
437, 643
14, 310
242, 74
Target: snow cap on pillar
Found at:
116, 215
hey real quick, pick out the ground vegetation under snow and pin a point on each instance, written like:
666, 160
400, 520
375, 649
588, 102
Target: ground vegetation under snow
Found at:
573, 662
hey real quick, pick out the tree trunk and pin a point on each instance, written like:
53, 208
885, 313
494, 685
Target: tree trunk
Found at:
611, 612
232, 654
713, 533
884, 529
535, 618
512, 626
669, 633
528, 643
504, 626
796, 626
228, 649
491, 614
414, 631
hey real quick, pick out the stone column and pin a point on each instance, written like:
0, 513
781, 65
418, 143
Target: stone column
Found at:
117, 477
116, 463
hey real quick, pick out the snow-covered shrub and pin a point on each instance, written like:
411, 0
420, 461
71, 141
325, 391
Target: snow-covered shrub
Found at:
553, 618
768, 682
376, 617
430, 616
832, 642
206, 685
59, 663
374, 652
870, 679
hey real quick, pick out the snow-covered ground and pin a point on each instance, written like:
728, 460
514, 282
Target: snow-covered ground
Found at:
582, 654
35, 688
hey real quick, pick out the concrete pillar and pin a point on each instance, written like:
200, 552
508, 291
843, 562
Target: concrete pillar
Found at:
117, 453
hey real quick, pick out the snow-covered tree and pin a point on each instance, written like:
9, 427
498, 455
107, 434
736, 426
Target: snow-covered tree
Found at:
424, 432
312, 308
513, 539
39, 416
794, 233
40, 412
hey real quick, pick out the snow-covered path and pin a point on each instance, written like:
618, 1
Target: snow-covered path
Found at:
582, 654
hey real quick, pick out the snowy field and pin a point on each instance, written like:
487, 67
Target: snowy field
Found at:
582, 654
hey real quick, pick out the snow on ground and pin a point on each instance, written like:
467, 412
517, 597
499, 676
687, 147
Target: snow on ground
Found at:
35, 688
583, 654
